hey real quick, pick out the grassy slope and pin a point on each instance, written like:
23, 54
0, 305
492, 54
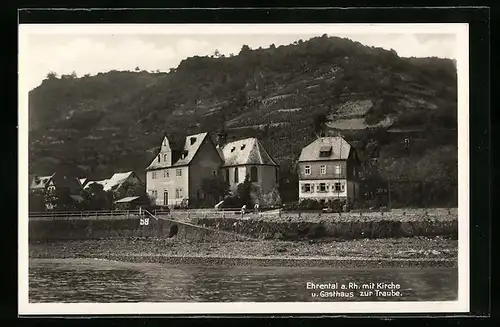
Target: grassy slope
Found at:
96, 125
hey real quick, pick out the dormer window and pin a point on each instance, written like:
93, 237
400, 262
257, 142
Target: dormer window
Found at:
325, 151
164, 157
233, 148
192, 140
184, 154
242, 146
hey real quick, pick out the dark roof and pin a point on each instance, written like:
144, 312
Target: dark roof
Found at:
72, 183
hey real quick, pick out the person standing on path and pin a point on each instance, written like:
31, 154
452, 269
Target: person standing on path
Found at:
243, 210
256, 208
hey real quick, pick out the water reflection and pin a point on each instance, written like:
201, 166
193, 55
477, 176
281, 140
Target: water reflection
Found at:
78, 280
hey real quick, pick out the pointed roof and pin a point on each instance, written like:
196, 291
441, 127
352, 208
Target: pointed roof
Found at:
117, 180
72, 183
188, 150
40, 182
334, 148
101, 182
248, 151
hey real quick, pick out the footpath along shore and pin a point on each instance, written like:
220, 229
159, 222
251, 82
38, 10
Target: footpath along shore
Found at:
364, 253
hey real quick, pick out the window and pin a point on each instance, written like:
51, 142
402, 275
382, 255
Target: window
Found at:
242, 146
307, 170
338, 169
254, 174
164, 157
323, 169
154, 193
153, 175
306, 188
158, 158
165, 197
338, 187
165, 173
178, 193
236, 179
193, 140
233, 148
214, 173
325, 151
178, 172
322, 187
227, 175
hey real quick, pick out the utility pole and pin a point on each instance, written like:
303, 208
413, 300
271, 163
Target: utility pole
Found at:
389, 190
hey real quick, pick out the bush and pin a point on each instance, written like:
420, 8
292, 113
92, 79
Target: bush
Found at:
310, 204
316, 231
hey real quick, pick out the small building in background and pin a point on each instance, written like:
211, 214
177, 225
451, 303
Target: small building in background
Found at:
132, 203
57, 184
329, 171
117, 181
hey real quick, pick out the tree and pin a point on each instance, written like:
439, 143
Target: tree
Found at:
52, 75
320, 123
244, 49
217, 53
60, 199
272, 46
244, 191
130, 189
215, 186
137, 69
95, 198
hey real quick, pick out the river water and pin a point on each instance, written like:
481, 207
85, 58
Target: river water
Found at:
89, 280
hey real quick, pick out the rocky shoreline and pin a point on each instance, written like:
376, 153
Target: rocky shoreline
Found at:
383, 253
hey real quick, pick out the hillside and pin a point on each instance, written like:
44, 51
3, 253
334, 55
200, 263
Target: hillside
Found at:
95, 125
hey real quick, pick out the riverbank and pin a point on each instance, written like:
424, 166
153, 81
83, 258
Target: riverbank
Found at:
402, 252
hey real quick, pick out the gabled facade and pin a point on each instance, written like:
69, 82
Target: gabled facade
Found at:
174, 176
248, 157
54, 182
329, 170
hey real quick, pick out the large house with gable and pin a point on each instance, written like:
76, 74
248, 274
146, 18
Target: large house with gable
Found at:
175, 175
329, 170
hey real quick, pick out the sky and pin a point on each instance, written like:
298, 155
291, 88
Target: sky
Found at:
90, 51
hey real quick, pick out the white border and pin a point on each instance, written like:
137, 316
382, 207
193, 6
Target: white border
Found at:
461, 305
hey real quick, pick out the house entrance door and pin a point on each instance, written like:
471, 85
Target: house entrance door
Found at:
165, 198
